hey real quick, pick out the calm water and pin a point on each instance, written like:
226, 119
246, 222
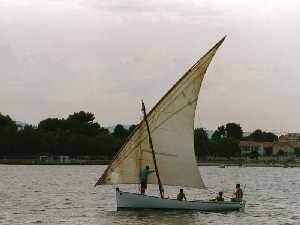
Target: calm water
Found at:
66, 195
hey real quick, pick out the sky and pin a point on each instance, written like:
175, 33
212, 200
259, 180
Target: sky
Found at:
103, 56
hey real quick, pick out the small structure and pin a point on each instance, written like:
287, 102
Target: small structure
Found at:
64, 159
44, 158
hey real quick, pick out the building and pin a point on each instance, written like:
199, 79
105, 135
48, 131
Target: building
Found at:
283, 149
291, 138
64, 159
249, 146
278, 148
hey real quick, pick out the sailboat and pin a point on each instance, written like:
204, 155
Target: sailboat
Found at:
164, 140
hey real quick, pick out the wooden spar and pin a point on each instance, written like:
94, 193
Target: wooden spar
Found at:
161, 191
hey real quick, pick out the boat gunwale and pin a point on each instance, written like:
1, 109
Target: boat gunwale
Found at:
177, 209
241, 203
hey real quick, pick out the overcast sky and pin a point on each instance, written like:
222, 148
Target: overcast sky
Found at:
104, 56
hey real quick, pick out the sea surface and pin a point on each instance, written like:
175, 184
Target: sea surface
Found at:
66, 195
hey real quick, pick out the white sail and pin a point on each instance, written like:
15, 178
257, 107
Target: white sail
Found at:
171, 123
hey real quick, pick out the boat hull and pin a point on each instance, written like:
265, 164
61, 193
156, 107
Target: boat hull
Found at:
126, 200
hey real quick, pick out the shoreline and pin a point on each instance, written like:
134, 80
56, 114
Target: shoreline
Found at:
52, 162
221, 164
226, 164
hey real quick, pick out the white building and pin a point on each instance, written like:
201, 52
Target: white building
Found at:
249, 146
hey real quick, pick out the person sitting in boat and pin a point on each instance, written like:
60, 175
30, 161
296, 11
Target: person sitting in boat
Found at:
219, 198
144, 177
181, 195
238, 194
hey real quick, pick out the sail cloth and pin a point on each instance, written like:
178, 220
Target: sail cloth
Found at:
171, 123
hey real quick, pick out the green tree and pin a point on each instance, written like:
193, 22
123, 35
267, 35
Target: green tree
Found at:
28, 142
297, 151
225, 147
200, 142
230, 130
8, 133
52, 124
234, 130
77, 135
83, 123
81, 117
120, 132
262, 136
256, 135
7, 122
132, 127
219, 133
254, 154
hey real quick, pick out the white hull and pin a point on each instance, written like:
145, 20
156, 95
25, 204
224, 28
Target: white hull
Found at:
126, 200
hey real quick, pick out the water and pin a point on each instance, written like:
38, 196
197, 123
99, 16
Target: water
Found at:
66, 195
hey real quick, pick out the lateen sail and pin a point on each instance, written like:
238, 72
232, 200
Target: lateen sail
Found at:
171, 123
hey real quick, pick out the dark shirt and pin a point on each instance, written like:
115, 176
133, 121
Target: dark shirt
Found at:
219, 199
181, 196
144, 175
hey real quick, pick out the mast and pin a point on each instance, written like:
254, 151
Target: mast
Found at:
153, 153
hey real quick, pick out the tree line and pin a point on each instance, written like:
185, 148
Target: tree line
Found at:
79, 135
225, 140
76, 135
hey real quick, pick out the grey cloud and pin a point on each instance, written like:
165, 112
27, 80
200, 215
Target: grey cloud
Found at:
60, 56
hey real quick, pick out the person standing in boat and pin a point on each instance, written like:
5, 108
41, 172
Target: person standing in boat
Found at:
144, 178
181, 195
238, 194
